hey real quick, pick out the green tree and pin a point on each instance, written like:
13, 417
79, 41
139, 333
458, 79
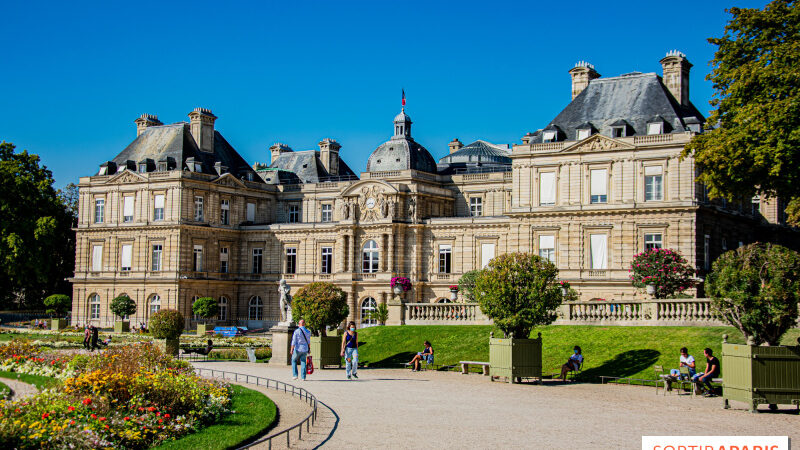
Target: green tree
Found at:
122, 306
380, 314
321, 304
166, 324
70, 198
755, 288
37, 244
466, 284
58, 304
754, 146
667, 270
206, 307
519, 291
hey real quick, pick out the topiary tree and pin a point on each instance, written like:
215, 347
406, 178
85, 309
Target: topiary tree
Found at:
58, 304
519, 291
756, 288
466, 284
665, 269
122, 306
321, 304
206, 307
166, 324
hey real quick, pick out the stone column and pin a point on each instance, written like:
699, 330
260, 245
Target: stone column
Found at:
391, 253
383, 256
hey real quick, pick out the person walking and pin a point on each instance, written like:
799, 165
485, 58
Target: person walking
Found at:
300, 349
350, 350
87, 336
95, 335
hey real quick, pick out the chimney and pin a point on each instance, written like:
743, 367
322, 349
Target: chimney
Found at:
582, 74
144, 121
277, 149
455, 145
329, 155
676, 75
201, 121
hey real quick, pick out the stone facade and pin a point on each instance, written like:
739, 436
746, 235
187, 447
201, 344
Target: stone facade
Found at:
590, 202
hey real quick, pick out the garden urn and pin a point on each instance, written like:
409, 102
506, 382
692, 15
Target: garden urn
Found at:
651, 289
397, 289
453, 295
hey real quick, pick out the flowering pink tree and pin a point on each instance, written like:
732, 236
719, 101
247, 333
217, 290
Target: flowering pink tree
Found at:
665, 269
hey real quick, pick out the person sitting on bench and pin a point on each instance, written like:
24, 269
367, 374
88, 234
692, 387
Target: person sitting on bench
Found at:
712, 371
573, 363
199, 350
426, 354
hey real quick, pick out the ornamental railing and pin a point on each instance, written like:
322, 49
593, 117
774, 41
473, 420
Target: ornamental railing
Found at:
678, 312
444, 314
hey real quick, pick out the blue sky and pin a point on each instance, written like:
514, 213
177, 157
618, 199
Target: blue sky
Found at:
76, 74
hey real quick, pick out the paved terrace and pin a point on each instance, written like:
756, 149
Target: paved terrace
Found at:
389, 408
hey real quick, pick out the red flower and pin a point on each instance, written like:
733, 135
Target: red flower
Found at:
106, 427
72, 422
87, 401
102, 419
166, 416
94, 416
126, 418
151, 409
45, 415
70, 408
160, 420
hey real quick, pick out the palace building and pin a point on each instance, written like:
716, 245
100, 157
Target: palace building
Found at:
179, 214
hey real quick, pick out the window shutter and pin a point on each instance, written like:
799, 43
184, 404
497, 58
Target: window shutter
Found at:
599, 181
547, 241
159, 201
97, 258
126, 255
251, 212
547, 188
598, 244
652, 170
127, 207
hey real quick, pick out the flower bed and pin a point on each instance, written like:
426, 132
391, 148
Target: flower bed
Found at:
127, 397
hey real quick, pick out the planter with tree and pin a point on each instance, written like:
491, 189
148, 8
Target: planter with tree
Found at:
122, 307
58, 305
756, 288
518, 291
206, 308
322, 305
662, 272
166, 327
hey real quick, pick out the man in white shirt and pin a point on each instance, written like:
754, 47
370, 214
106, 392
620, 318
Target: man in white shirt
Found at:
687, 360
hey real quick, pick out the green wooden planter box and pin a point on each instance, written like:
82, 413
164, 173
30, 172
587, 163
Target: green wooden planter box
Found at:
326, 351
202, 328
515, 358
168, 346
58, 324
122, 326
761, 375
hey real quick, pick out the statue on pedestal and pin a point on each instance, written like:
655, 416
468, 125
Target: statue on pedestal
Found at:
286, 302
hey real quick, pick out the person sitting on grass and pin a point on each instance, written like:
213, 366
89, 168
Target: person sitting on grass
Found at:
573, 363
712, 371
426, 354
105, 341
199, 350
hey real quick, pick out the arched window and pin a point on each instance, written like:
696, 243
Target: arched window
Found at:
370, 257
223, 308
368, 306
255, 308
155, 304
444, 300
94, 306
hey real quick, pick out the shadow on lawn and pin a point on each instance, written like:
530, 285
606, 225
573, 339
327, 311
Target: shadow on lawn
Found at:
392, 361
622, 365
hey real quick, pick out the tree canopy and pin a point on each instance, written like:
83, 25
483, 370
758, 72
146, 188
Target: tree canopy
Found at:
206, 307
122, 306
321, 304
752, 145
37, 244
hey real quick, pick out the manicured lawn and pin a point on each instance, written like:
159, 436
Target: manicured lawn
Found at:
610, 351
255, 412
39, 381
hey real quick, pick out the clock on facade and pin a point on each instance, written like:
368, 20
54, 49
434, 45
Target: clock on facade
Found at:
371, 202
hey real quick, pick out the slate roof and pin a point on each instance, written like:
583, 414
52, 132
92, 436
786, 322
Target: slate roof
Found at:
401, 153
632, 98
479, 151
174, 143
307, 167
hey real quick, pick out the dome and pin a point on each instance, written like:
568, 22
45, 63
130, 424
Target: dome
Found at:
402, 117
479, 151
401, 153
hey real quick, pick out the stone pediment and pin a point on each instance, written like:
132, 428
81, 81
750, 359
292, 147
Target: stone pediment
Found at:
377, 186
228, 179
126, 176
597, 143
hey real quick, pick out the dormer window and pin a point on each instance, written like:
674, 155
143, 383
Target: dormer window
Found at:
103, 170
584, 133
549, 136
142, 167
198, 167
618, 132
162, 166
655, 128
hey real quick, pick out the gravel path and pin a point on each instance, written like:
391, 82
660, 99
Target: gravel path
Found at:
19, 389
399, 409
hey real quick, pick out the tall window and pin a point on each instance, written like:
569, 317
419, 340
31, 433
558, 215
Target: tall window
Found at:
368, 306
327, 212
598, 185
707, 252
99, 210
258, 254
223, 259
445, 253
197, 258
599, 251
224, 213
125, 257
255, 309
547, 247
156, 266
653, 183
198, 209
487, 254
547, 188
158, 207
127, 209
755, 206
97, 258
155, 304
654, 240
327, 259
94, 306
369, 257
291, 260
476, 206
251, 212
294, 213
223, 308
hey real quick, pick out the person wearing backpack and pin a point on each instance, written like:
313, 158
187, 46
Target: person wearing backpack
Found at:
300, 349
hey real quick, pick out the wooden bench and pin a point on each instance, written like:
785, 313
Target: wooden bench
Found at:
465, 366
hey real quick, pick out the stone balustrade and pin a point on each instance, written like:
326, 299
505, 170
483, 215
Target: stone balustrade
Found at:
676, 312
442, 314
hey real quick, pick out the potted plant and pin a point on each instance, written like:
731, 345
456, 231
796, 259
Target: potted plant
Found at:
756, 288
466, 284
166, 327
380, 314
206, 308
650, 288
454, 292
400, 285
564, 287
518, 291
322, 305
58, 305
661, 272
122, 307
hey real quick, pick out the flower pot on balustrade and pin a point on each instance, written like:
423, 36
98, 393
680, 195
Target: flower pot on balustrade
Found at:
203, 328
122, 326
58, 324
453, 295
326, 351
651, 289
514, 358
760, 375
168, 346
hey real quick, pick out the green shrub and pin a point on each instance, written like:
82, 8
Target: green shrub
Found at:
665, 269
206, 307
380, 314
122, 306
756, 288
466, 284
519, 291
166, 324
321, 304
58, 304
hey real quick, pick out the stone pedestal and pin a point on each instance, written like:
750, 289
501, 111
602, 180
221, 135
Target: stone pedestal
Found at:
281, 344
397, 314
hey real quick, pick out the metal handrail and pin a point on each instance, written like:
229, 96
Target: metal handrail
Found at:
308, 397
